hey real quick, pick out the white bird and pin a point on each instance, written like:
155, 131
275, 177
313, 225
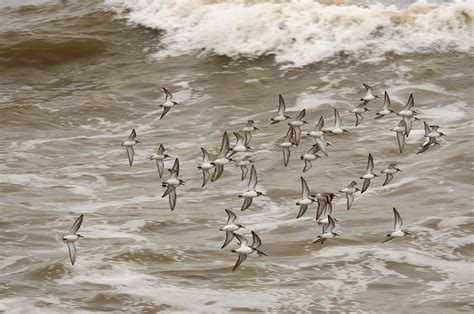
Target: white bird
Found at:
369, 174
172, 183
338, 128
251, 192
169, 103
296, 125
328, 232
205, 166
240, 144
243, 164
389, 172
72, 237
358, 111
309, 156
407, 113
349, 191
322, 143
230, 227
281, 111
306, 198
248, 129
222, 159
324, 207
129, 143
317, 132
397, 228
385, 108
431, 141
400, 130
245, 250
159, 156
287, 143
432, 131
369, 95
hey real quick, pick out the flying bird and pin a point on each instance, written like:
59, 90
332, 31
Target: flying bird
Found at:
349, 191
397, 228
169, 103
129, 143
251, 192
287, 143
159, 156
245, 250
296, 125
389, 172
306, 198
230, 227
72, 237
205, 166
369, 95
281, 111
385, 108
400, 130
222, 159
309, 156
328, 232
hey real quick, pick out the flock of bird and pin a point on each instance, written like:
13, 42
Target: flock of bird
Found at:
241, 148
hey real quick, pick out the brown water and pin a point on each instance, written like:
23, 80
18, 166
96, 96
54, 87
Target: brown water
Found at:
76, 79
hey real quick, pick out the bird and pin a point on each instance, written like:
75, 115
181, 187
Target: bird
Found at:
172, 183
243, 164
222, 159
432, 130
72, 237
306, 198
358, 111
240, 144
129, 143
322, 143
337, 129
230, 227
324, 207
328, 232
389, 172
287, 143
251, 192
349, 191
369, 95
431, 141
309, 156
159, 156
397, 228
407, 113
385, 108
248, 129
205, 166
400, 130
169, 103
369, 174
245, 250
281, 111
296, 125
317, 132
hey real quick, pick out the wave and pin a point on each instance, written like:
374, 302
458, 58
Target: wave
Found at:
298, 33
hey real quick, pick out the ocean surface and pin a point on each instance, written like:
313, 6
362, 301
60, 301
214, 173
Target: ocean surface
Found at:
78, 76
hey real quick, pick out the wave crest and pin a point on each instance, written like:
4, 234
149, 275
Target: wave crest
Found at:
300, 33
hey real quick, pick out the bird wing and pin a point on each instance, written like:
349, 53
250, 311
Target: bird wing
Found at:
72, 251
388, 178
297, 131
398, 220
331, 224
169, 188
408, 125
320, 124
350, 200
175, 168
281, 106
304, 189
370, 164
427, 128
244, 170
337, 119
240, 260
253, 178
224, 146
365, 185
289, 135
168, 94
161, 166
303, 209
205, 156
229, 235
172, 197
410, 103
218, 170
242, 240
205, 177
256, 242
301, 115
231, 216
247, 203
386, 101
368, 89
76, 225
359, 118
307, 165
165, 111
401, 141
130, 154
321, 144
132, 135
286, 155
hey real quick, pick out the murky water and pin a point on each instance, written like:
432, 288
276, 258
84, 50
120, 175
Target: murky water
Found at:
77, 78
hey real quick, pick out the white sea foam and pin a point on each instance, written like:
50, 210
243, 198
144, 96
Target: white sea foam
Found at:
301, 32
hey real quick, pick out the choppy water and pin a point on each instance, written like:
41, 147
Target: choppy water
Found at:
78, 76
